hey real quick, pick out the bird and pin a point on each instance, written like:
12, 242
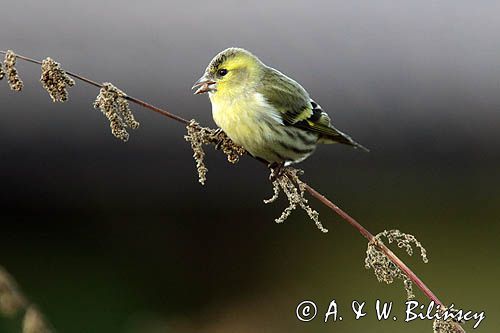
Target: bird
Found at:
261, 109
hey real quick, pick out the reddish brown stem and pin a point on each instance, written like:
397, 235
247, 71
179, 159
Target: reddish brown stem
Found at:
362, 230
321, 198
368, 235
130, 98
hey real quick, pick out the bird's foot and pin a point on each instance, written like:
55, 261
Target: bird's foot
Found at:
277, 170
220, 140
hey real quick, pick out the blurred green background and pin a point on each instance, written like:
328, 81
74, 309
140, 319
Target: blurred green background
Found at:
113, 237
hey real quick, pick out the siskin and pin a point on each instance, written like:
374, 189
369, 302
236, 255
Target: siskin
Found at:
265, 111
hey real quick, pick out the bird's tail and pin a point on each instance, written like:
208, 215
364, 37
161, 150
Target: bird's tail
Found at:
340, 137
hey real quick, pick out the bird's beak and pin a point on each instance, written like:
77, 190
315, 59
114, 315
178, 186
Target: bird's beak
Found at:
204, 85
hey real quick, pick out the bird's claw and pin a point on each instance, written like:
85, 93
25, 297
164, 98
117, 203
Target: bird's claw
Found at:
219, 143
277, 170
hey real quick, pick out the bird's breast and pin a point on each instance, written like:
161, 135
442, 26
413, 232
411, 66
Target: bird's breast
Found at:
252, 123
242, 119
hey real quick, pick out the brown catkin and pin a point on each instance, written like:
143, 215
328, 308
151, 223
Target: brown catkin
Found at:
11, 298
34, 322
12, 302
15, 82
55, 80
199, 136
385, 270
447, 325
115, 106
288, 182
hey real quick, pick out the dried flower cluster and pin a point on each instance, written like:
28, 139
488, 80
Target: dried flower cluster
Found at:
288, 182
34, 322
2, 73
54, 79
228, 147
15, 82
447, 325
385, 270
11, 299
199, 136
12, 302
113, 103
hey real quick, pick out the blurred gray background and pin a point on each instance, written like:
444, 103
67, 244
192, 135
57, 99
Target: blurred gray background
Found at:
113, 237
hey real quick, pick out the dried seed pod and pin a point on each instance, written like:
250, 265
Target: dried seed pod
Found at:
11, 299
446, 324
288, 182
199, 136
126, 113
12, 302
54, 79
385, 270
34, 322
228, 147
15, 82
113, 103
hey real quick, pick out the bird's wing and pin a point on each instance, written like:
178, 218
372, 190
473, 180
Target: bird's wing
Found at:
297, 109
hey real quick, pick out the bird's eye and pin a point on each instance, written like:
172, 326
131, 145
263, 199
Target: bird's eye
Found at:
222, 71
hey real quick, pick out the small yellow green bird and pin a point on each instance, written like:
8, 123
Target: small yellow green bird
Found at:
265, 111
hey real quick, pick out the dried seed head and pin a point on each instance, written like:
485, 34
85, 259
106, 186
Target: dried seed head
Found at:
228, 147
199, 136
2, 73
385, 270
196, 136
288, 182
34, 322
15, 82
54, 79
11, 299
405, 241
113, 103
447, 325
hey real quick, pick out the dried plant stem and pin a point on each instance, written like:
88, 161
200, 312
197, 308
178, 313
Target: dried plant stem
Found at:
99, 85
321, 198
369, 236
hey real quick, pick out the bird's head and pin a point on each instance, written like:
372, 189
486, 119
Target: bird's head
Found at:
230, 72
